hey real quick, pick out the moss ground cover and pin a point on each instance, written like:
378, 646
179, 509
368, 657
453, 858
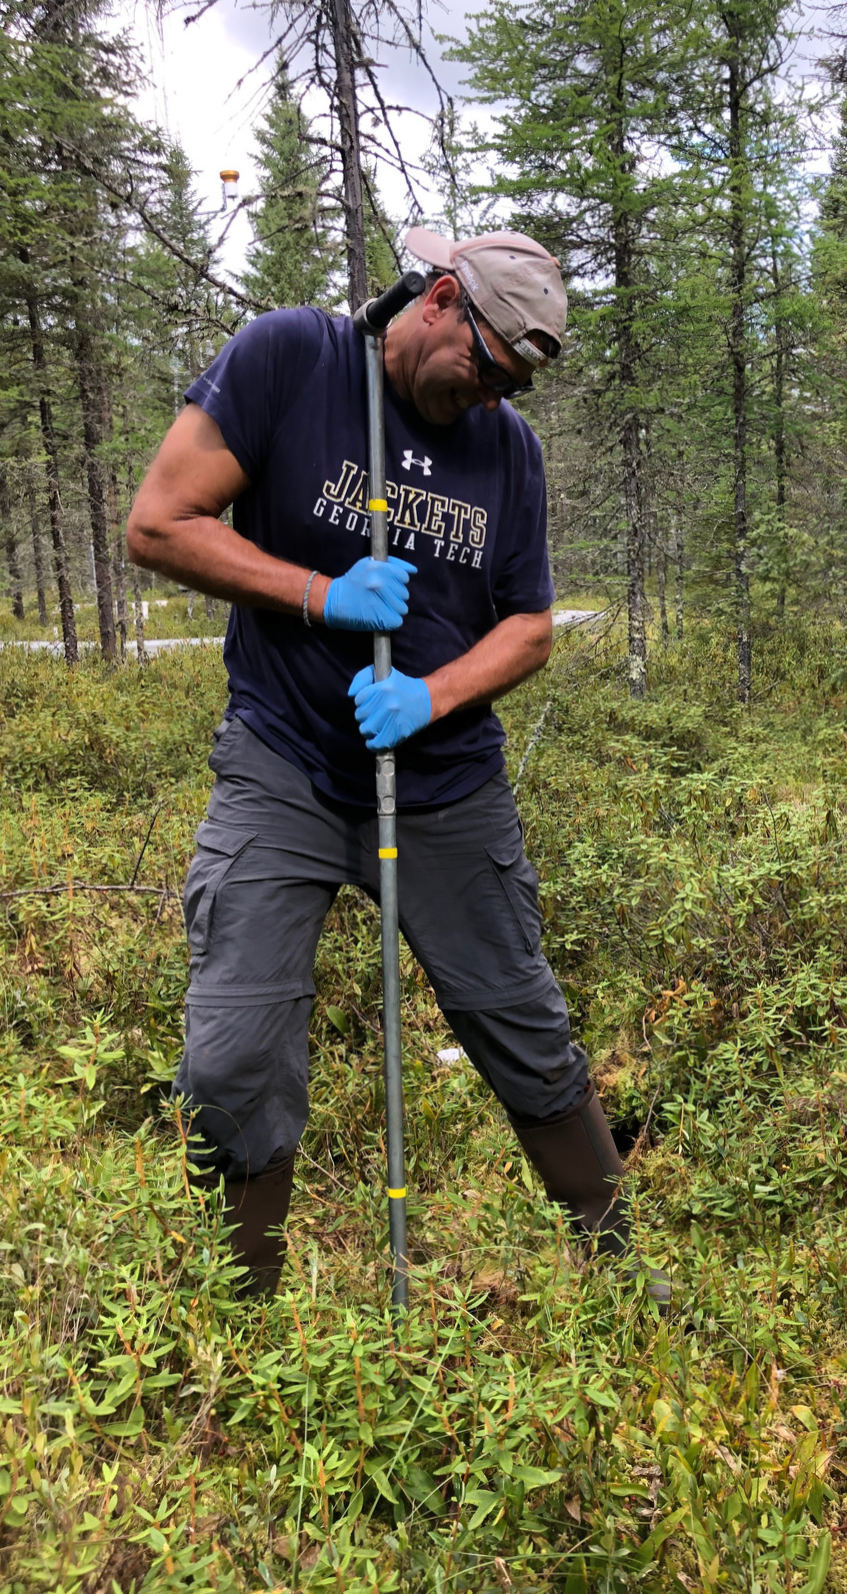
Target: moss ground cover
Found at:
531, 1426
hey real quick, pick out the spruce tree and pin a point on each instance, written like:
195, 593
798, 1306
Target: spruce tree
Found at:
741, 131
642, 143
296, 257
65, 90
589, 92
381, 258
829, 263
833, 210
171, 321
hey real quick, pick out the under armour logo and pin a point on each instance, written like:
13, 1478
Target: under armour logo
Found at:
409, 460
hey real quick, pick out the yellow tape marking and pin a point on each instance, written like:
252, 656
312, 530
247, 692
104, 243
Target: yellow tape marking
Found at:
397, 1195
388, 852
377, 503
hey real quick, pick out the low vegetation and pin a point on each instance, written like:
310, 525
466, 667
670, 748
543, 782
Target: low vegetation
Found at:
180, 615
530, 1426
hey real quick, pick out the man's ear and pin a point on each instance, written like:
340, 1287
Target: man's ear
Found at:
444, 296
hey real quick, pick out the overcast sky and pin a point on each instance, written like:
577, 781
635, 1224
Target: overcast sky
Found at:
191, 90
193, 71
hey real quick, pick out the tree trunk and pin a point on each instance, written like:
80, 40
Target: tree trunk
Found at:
90, 382
16, 581
119, 575
738, 357
90, 393
118, 562
636, 600
630, 435
679, 555
779, 442
37, 546
656, 536
139, 616
343, 42
48, 436
209, 606
661, 583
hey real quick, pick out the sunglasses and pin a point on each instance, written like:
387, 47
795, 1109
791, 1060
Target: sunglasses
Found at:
492, 374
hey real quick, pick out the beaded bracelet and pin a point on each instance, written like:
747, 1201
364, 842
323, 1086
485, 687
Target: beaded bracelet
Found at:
306, 620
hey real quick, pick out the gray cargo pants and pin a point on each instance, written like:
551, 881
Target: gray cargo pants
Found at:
270, 858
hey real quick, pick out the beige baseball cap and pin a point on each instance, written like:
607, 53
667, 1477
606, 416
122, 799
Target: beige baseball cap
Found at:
513, 282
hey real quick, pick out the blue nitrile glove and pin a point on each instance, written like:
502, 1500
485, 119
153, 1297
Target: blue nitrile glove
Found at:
373, 596
389, 711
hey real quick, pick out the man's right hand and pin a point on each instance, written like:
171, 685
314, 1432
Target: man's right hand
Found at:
373, 596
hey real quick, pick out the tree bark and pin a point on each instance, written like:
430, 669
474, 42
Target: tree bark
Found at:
661, 583
679, 542
343, 42
780, 447
16, 584
119, 578
16, 581
37, 546
139, 616
630, 427
679, 557
738, 355
636, 600
656, 535
90, 393
51, 456
118, 563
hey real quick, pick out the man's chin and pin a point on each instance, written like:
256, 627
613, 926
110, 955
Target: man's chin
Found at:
440, 409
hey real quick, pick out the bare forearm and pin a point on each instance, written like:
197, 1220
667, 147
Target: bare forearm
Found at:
174, 526
208, 556
514, 650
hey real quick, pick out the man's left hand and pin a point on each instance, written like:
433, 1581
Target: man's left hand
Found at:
389, 711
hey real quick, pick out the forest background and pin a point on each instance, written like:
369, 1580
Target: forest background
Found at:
671, 158
680, 770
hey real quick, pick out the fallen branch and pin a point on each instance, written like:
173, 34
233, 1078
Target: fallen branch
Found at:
71, 886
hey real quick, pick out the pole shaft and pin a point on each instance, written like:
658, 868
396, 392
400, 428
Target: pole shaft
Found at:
386, 792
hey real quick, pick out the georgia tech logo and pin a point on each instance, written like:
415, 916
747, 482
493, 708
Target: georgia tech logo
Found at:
457, 529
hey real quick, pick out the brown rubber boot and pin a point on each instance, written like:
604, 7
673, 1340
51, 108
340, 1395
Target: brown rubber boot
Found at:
254, 1206
579, 1163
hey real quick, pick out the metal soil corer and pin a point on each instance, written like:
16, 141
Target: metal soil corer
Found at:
371, 321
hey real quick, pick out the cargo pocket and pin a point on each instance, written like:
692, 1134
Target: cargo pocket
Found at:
222, 740
519, 884
217, 849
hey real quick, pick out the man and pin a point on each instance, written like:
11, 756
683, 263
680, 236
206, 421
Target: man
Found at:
277, 428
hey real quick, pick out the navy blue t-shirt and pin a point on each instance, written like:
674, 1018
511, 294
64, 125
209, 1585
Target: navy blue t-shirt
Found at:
467, 505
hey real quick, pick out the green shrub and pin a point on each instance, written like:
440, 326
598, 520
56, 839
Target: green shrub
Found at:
530, 1426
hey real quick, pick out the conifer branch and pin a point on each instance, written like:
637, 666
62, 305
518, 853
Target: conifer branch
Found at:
134, 203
